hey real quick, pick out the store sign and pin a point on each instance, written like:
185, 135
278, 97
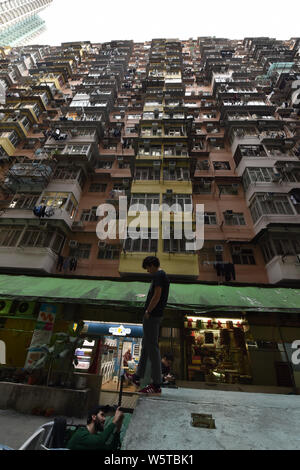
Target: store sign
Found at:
119, 331
43, 331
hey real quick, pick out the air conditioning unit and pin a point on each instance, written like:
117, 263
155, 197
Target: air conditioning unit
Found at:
73, 243
5, 306
219, 248
25, 309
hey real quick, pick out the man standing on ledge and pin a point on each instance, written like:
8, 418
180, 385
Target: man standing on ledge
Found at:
154, 308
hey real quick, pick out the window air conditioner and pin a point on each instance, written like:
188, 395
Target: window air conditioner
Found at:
25, 309
73, 243
5, 306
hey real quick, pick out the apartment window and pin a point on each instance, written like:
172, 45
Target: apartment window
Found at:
25, 123
146, 199
175, 245
36, 238
89, 215
245, 256
24, 202
202, 188
252, 150
83, 250
268, 251
77, 149
36, 109
9, 237
181, 199
144, 173
2, 152
221, 165
210, 218
234, 218
270, 204
109, 252
293, 177
65, 174
104, 165
286, 246
97, 188
147, 244
228, 189
178, 174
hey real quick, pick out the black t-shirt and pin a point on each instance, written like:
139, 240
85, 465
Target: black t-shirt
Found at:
160, 279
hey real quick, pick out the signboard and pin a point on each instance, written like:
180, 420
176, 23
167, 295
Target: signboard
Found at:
43, 331
120, 331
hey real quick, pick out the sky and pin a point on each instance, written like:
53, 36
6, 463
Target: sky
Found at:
101, 21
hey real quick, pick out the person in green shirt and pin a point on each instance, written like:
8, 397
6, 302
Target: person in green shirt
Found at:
94, 436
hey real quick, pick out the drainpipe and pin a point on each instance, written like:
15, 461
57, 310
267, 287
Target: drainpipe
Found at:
287, 358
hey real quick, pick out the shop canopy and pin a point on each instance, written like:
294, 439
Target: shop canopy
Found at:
186, 297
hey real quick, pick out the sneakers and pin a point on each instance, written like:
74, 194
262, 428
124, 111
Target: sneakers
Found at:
131, 378
150, 390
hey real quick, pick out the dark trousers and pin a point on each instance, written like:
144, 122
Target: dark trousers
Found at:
150, 349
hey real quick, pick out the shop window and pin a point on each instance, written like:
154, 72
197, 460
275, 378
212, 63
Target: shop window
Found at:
216, 350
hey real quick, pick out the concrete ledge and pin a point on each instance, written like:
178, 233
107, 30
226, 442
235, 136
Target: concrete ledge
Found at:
23, 398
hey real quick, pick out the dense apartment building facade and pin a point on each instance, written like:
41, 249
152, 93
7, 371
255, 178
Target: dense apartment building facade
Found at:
212, 121
20, 22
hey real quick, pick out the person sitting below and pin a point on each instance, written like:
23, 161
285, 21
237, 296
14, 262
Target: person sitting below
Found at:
93, 436
166, 363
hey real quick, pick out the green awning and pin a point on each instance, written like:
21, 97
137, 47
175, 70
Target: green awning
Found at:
187, 297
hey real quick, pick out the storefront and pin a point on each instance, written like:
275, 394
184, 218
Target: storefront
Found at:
216, 350
109, 350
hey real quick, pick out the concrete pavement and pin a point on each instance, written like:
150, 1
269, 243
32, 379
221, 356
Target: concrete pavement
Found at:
244, 421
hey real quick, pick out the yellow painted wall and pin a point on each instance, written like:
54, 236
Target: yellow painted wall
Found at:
7, 145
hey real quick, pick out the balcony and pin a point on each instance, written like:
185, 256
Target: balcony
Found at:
26, 177
283, 269
28, 258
